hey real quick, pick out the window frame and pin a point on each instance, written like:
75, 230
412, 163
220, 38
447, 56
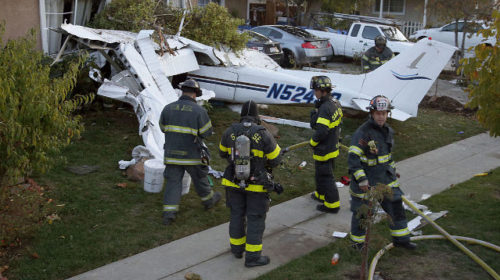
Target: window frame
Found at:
376, 6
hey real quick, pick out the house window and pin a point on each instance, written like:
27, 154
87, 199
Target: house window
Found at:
390, 6
203, 3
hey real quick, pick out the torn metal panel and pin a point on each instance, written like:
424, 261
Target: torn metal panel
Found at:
152, 62
183, 61
285, 121
103, 35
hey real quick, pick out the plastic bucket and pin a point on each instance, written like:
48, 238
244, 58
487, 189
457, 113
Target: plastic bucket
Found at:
153, 175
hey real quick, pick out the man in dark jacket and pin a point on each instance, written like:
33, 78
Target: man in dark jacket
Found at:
370, 163
251, 152
325, 120
185, 125
375, 56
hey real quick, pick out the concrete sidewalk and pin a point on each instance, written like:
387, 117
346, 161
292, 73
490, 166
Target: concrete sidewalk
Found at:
295, 228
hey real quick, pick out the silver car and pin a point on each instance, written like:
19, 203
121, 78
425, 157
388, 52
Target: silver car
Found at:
299, 46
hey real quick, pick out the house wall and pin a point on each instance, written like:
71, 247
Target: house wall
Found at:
237, 8
414, 12
20, 16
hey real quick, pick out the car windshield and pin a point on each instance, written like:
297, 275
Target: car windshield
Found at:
393, 34
296, 31
257, 38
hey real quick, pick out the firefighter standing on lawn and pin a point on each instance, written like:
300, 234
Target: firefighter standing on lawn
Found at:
375, 56
325, 120
370, 163
251, 151
185, 124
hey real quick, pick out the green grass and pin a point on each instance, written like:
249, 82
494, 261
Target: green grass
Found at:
474, 208
101, 223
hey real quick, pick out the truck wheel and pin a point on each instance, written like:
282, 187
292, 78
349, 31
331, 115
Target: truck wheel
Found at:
289, 59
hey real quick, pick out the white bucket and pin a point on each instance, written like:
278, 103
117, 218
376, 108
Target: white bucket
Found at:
153, 175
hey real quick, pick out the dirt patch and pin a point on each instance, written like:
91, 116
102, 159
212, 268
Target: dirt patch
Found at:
446, 104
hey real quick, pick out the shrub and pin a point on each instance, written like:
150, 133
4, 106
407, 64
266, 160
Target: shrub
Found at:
483, 70
131, 15
212, 24
36, 119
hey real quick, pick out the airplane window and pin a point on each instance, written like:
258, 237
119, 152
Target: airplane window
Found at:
203, 59
355, 30
370, 32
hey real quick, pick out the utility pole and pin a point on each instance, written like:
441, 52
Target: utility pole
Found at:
381, 9
424, 21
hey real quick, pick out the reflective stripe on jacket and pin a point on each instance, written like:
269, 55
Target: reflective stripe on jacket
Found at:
182, 121
264, 152
370, 158
326, 125
372, 59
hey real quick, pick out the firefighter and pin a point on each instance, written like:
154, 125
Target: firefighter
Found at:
375, 56
325, 120
251, 152
370, 163
185, 125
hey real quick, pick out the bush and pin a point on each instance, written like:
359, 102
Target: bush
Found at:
36, 119
212, 24
131, 15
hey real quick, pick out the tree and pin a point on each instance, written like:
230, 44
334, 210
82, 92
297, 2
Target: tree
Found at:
36, 113
483, 71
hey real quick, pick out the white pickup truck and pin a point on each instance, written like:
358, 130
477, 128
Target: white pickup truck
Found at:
361, 37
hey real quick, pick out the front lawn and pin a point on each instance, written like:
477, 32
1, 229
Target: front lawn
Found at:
101, 223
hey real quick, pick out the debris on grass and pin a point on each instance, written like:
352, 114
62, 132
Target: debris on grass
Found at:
53, 217
121, 185
339, 234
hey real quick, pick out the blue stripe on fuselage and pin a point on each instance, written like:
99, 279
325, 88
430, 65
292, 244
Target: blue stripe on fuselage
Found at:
229, 85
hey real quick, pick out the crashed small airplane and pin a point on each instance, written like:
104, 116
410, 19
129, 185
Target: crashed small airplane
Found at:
144, 74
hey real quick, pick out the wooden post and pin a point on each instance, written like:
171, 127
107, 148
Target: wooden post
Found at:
270, 12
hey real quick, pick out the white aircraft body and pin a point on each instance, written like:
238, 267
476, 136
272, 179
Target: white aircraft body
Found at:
405, 80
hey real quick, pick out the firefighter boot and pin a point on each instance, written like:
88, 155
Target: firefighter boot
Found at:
213, 201
313, 196
407, 245
325, 209
168, 218
259, 261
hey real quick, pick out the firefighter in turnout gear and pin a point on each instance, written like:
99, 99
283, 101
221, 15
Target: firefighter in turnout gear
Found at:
375, 56
185, 125
325, 120
370, 163
251, 152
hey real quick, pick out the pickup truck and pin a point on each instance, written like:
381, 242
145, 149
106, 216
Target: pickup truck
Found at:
361, 37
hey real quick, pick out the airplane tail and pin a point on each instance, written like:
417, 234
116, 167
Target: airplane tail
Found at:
406, 78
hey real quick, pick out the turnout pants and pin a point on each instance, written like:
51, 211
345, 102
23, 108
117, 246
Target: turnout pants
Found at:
247, 221
398, 223
326, 189
173, 186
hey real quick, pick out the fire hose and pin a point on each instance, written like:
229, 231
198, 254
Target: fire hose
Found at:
305, 143
445, 235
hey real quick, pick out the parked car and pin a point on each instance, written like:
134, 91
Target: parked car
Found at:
299, 46
264, 44
446, 34
361, 37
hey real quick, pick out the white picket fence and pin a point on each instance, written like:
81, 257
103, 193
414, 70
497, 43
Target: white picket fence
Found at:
409, 27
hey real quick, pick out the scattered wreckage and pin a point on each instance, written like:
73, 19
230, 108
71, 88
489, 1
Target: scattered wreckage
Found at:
145, 73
